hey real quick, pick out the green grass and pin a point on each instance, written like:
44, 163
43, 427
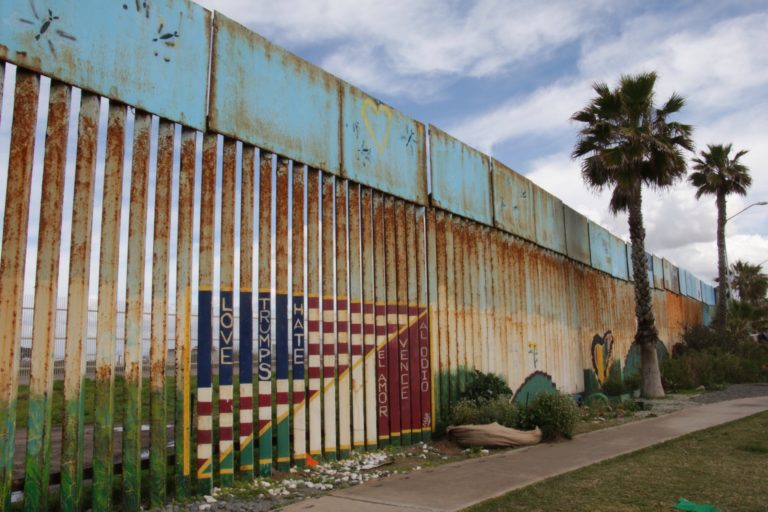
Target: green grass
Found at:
726, 466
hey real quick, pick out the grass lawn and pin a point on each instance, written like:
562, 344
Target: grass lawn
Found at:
726, 466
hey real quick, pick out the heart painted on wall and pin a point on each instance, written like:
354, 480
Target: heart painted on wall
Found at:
377, 118
602, 356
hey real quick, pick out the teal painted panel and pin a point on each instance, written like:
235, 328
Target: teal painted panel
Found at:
461, 177
658, 273
266, 96
513, 202
671, 278
576, 235
550, 221
153, 58
709, 295
649, 267
382, 147
601, 254
683, 278
630, 266
619, 267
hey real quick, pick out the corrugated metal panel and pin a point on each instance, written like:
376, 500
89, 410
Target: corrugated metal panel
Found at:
461, 178
649, 266
162, 69
576, 235
513, 202
550, 221
383, 147
267, 96
658, 273
600, 251
619, 266
683, 280
671, 278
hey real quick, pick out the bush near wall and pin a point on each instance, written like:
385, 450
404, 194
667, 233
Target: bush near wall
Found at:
711, 359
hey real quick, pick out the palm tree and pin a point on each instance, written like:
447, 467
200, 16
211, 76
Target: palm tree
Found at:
626, 142
719, 175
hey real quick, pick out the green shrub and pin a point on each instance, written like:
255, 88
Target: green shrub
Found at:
468, 412
555, 415
675, 374
485, 386
613, 385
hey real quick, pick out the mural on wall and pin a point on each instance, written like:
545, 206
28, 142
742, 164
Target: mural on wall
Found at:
535, 384
632, 361
602, 356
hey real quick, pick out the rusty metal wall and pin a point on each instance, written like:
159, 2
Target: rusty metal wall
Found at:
388, 299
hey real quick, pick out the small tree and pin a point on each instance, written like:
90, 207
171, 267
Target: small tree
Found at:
627, 142
720, 175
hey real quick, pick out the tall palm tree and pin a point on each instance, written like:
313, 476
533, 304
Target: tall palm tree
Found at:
720, 175
627, 141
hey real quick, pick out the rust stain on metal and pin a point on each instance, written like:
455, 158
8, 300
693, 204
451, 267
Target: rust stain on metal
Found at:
77, 303
106, 322
134, 321
183, 412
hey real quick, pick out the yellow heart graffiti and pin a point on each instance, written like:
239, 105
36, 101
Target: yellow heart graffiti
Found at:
377, 110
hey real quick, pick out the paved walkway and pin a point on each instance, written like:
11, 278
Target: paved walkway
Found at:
457, 486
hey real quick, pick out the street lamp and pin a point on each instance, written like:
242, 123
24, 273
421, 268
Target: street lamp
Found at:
728, 270
759, 203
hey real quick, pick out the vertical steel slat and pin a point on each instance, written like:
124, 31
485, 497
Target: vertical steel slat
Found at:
77, 305
441, 354
474, 271
502, 273
282, 422
183, 412
369, 319
482, 292
432, 300
413, 322
264, 315
227, 314
14, 251
158, 350
298, 331
134, 313
314, 317
356, 320
205, 320
245, 356
509, 263
490, 294
466, 300
500, 354
390, 222
380, 313
461, 339
342, 321
106, 323
403, 343
38, 454
450, 293
425, 364
329, 334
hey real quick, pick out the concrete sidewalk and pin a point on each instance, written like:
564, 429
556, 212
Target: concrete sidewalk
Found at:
460, 485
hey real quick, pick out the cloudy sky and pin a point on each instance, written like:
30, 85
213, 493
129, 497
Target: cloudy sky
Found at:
505, 76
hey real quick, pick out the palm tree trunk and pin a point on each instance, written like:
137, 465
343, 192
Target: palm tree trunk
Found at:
646, 335
722, 265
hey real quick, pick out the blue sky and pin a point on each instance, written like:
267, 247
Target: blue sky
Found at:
505, 76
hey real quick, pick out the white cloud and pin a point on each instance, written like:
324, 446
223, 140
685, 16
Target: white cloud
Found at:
412, 49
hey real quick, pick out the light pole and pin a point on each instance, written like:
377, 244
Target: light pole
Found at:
728, 270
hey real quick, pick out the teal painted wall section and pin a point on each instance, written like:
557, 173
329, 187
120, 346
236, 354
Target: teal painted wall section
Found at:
264, 95
155, 59
382, 147
461, 177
